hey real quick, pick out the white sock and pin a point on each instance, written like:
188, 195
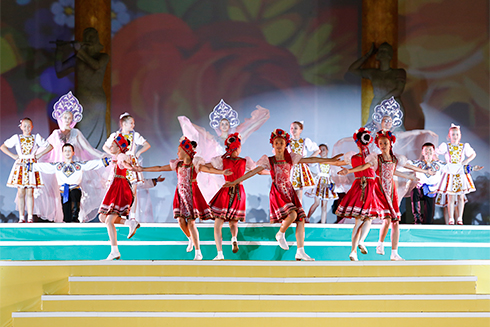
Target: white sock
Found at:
21, 218
220, 253
199, 252
132, 215
233, 239
114, 249
281, 234
127, 222
380, 243
29, 218
301, 250
394, 252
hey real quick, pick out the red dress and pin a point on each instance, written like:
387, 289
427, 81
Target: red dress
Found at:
230, 202
188, 200
119, 196
386, 188
282, 198
360, 201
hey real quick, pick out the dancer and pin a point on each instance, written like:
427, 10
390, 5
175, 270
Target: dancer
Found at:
67, 111
224, 120
456, 180
119, 196
229, 203
22, 176
360, 201
285, 206
126, 124
385, 167
325, 187
69, 175
189, 203
301, 176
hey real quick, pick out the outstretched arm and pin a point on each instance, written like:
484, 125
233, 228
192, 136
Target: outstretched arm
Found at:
211, 170
155, 168
333, 161
249, 174
402, 175
420, 170
249, 125
356, 169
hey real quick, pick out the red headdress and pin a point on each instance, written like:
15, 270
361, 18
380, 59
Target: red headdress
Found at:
122, 143
232, 142
363, 138
279, 133
386, 134
188, 146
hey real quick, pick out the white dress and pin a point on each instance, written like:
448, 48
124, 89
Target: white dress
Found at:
47, 204
301, 176
22, 174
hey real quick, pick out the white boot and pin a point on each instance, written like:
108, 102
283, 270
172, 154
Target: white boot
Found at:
282, 241
133, 226
190, 245
198, 255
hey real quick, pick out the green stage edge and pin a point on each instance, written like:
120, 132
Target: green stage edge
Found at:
256, 242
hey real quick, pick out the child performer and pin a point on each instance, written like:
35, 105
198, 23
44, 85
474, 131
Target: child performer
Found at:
456, 180
229, 203
69, 175
360, 201
385, 167
324, 189
301, 176
189, 204
126, 124
285, 206
22, 175
119, 196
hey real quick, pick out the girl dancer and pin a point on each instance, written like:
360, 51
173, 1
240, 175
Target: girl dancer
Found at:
126, 124
385, 167
119, 196
22, 175
360, 201
301, 176
189, 203
456, 179
285, 206
229, 203
324, 189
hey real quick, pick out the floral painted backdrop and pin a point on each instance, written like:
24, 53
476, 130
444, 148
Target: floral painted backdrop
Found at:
176, 57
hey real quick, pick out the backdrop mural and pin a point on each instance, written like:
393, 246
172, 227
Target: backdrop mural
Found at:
173, 58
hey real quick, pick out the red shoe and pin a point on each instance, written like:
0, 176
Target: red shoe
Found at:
22, 221
460, 221
451, 222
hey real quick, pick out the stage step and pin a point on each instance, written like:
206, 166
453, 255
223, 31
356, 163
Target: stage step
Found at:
266, 303
271, 285
246, 293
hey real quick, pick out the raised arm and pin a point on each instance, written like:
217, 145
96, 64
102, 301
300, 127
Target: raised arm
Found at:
355, 68
95, 64
249, 174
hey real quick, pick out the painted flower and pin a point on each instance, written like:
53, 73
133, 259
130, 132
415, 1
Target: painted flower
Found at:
42, 29
119, 15
64, 12
51, 83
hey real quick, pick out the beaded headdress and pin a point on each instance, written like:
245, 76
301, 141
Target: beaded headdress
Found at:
122, 143
68, 102
188, 146
223, 111
279, 133
389, 107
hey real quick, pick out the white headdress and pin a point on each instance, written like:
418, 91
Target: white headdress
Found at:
68, 102
389, 108
124, 115
223, 111
455, 126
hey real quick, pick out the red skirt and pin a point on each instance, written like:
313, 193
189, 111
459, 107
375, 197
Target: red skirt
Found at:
118, 198
229, 203
358, 204
193, 206
282, 205
388, 204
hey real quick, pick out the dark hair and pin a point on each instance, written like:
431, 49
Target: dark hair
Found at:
26, 118
194, 144
428, 144
70, 145
323, 144
299, 124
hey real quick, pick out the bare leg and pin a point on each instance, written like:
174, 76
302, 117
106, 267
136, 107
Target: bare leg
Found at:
109, 221
21, 197
355, 235
324, 212
218, 238
384, 229
183, 225
299, 193
300, 234
191, 224
460, 208
30, 202
365, 228
313, 207
132, 213
288, 221
395, 235
233, 227
450, 208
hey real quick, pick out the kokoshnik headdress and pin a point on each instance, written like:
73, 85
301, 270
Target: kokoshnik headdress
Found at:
188, 146
391, 108
223, 111
68, 102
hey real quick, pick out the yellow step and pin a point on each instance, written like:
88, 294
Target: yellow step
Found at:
273, 285
267, 303
247, 319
